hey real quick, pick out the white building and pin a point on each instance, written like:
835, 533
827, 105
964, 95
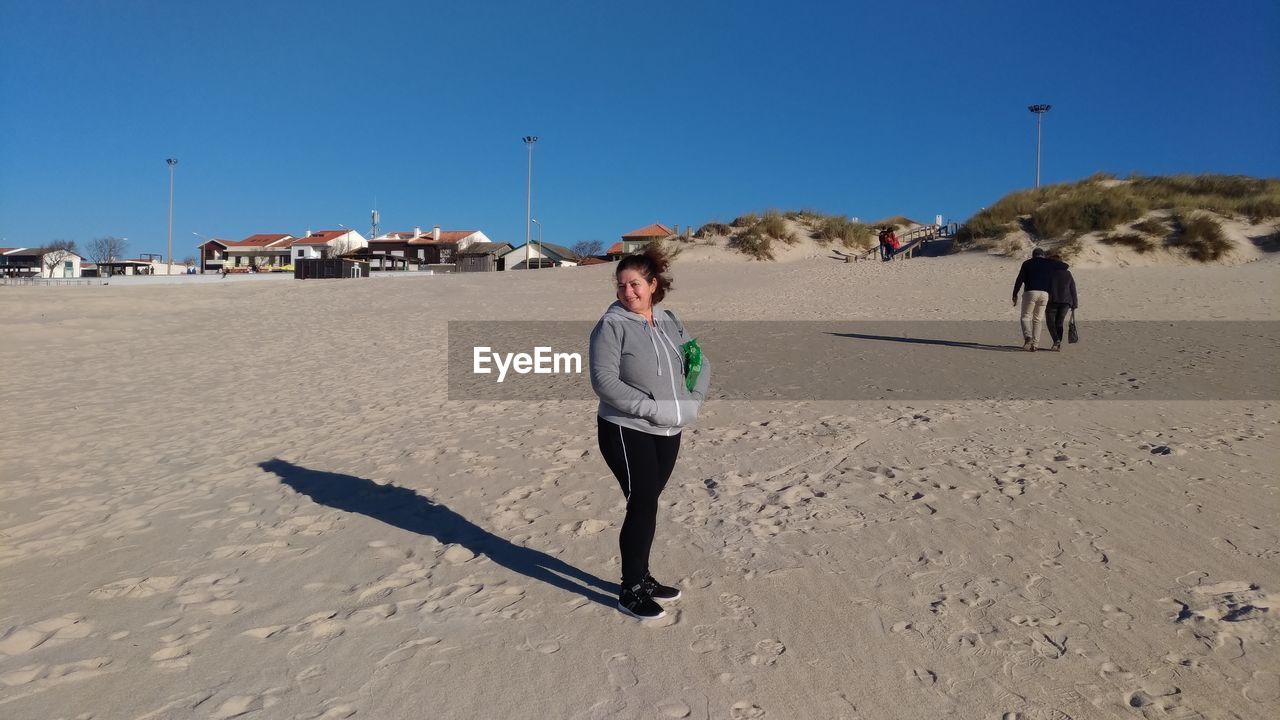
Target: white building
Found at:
32, 262
540, 255
327, 243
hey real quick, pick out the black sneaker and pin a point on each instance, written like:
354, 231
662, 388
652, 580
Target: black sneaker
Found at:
658, 591
635, 602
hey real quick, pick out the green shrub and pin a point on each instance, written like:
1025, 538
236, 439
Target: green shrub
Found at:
1071, 249
897, 221
754, 243
859, 236
1152, 226
1095, 204
984, 225
1201, 237
712, 229
1258, 209
850, 234
1220, 186
774, 226
1087, 208
1140, 244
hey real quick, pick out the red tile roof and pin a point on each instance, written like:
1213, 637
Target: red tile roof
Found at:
614, 249
649, 231
320, 237
594, 261
261, 240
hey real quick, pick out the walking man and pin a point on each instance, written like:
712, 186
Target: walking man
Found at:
1036, 275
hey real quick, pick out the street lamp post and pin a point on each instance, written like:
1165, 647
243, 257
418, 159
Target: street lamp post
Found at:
535, 222
172, 162
1039, 111
529, 140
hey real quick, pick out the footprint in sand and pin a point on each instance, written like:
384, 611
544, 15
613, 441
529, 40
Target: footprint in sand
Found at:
601, 710
673, 708
407, 650
699, 580
139, 587
738, 608
707, 640
577, 500
238, 705
767, 653
1264, 687
48, 675
1160, 698
337, 712
744, 710
176, 653
1115, 618
622, 672
583, 527
53, 631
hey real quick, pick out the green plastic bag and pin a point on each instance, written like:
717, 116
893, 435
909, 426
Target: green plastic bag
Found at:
692, 363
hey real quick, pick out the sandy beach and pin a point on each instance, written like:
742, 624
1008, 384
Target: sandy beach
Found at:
258, 500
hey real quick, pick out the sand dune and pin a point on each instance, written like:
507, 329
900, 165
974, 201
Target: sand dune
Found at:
256, 500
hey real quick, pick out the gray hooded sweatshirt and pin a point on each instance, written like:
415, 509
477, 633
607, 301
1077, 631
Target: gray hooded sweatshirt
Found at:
637, 369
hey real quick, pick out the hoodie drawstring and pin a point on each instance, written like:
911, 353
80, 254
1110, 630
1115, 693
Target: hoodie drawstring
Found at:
657, 360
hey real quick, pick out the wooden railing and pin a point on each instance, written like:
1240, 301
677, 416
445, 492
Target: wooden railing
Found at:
909, 241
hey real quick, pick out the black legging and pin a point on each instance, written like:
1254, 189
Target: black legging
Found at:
1054, 316
643, 464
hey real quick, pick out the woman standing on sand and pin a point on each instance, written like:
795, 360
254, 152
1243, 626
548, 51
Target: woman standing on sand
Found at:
638, 370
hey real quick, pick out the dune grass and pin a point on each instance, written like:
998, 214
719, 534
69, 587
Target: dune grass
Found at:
1200, 236
1153, 227
753, 242
755, 234
1141, 244
712, 229
774, 226
1101, 202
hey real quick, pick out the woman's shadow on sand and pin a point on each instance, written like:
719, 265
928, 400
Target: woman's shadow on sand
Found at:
403, 508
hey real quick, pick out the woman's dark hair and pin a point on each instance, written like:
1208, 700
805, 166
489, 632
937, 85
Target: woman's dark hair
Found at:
652, 264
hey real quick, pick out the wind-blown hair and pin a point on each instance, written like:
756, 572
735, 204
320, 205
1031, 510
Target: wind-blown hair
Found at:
652, 264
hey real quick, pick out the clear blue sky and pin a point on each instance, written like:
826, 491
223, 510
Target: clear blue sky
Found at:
289, 115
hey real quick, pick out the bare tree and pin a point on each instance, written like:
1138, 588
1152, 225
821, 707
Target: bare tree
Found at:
189, 261
340, 247
587, 248
56, 253
106, 250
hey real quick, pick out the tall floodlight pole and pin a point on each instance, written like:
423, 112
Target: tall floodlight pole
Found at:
535, 222
529, 140
1039, 110
172, 162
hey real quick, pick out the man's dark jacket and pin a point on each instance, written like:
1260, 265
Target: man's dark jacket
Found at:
1037, 274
